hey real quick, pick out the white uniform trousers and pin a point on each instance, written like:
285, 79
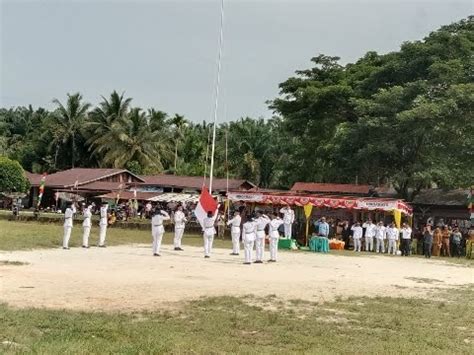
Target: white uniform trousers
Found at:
208, 240
178, 236
369, 243
102, 234
67, 236
157, 233
249, 241
392, 246
273, 248
379, 246
287, 229
85, 236
235, 232
357, 244
260, 245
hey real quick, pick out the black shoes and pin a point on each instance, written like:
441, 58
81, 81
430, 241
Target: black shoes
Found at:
234, 253
65, 248
178, 249
156, 254
102, 246
247, 263
85, 247
272, 261
206, 256
258, 262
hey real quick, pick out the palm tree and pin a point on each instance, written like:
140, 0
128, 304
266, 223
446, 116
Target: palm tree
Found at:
132, 139
102, 118
67, 123
179, 123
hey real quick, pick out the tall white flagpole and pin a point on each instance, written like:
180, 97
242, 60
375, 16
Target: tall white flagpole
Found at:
216, 103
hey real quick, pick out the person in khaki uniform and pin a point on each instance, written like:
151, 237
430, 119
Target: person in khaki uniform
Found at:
437, 238
445, 248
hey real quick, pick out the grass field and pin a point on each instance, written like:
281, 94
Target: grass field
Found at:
230, 325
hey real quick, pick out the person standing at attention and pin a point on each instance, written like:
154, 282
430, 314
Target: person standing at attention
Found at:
86, 225
406, 239
261, 222
179, 223
392, 237
275, 224
445, 248
235, 232
457, 238
288, 219
322, 227
103, 224
68, 216
209, 231
379, 238
369, 235
427, 241
248, 237
357, 236
157, 229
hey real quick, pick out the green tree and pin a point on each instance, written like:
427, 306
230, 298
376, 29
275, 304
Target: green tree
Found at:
12, 176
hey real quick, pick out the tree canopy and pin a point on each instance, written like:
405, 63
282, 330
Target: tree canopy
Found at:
12, 176
403, 118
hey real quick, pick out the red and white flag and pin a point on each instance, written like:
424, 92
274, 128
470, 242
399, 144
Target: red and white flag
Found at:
206, 204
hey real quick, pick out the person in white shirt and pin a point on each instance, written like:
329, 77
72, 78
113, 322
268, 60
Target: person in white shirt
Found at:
248, 237
68, 216
274, 235
261, 222
406, 239
288, 220
369, 235
379, 238
235, 232
103, 224
86, 225
179, 223
392, 237
357, 236
157, 229
209, 231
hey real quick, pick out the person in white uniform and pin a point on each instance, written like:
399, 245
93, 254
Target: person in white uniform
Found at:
406, 239
380, 238
68, 216
392, 237
86, 225
248, 237
157, 229
288, 219
274, 225
261, 222
369, 235
209, 231
235, 232
103, 224
179, 223
357, 236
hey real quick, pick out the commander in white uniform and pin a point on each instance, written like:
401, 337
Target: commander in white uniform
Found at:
392, 237
261, 222
288, 220
248, 236
369, 235
179, 223
357, 236
86, 225
68, 216
235, 232
380, 233
274, 224
157, 229
103, 224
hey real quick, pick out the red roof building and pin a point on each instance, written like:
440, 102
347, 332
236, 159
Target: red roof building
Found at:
343, 189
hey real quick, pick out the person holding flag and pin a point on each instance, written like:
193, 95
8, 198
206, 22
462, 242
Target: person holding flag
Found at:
206, 214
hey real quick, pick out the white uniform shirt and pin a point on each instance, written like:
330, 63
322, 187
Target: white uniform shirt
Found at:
392, 233
208, 223
157, 220
87, 217
369, 229
262, 223
274, 225
357, 232
179, 219
68, 214
288, 215
380, 232
103, 215
235, 223
406, 233
249, 229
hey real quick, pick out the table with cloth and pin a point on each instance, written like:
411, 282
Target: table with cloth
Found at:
336, 244
319, 244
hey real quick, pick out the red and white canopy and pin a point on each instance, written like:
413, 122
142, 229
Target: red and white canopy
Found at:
329, 201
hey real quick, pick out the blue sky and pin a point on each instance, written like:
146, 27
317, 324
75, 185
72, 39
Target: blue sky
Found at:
163, 53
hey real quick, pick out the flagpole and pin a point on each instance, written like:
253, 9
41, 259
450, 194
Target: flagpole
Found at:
216, 102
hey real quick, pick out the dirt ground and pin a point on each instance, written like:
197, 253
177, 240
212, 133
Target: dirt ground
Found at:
128, 278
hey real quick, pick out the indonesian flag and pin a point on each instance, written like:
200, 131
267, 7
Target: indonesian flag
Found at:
206, 204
